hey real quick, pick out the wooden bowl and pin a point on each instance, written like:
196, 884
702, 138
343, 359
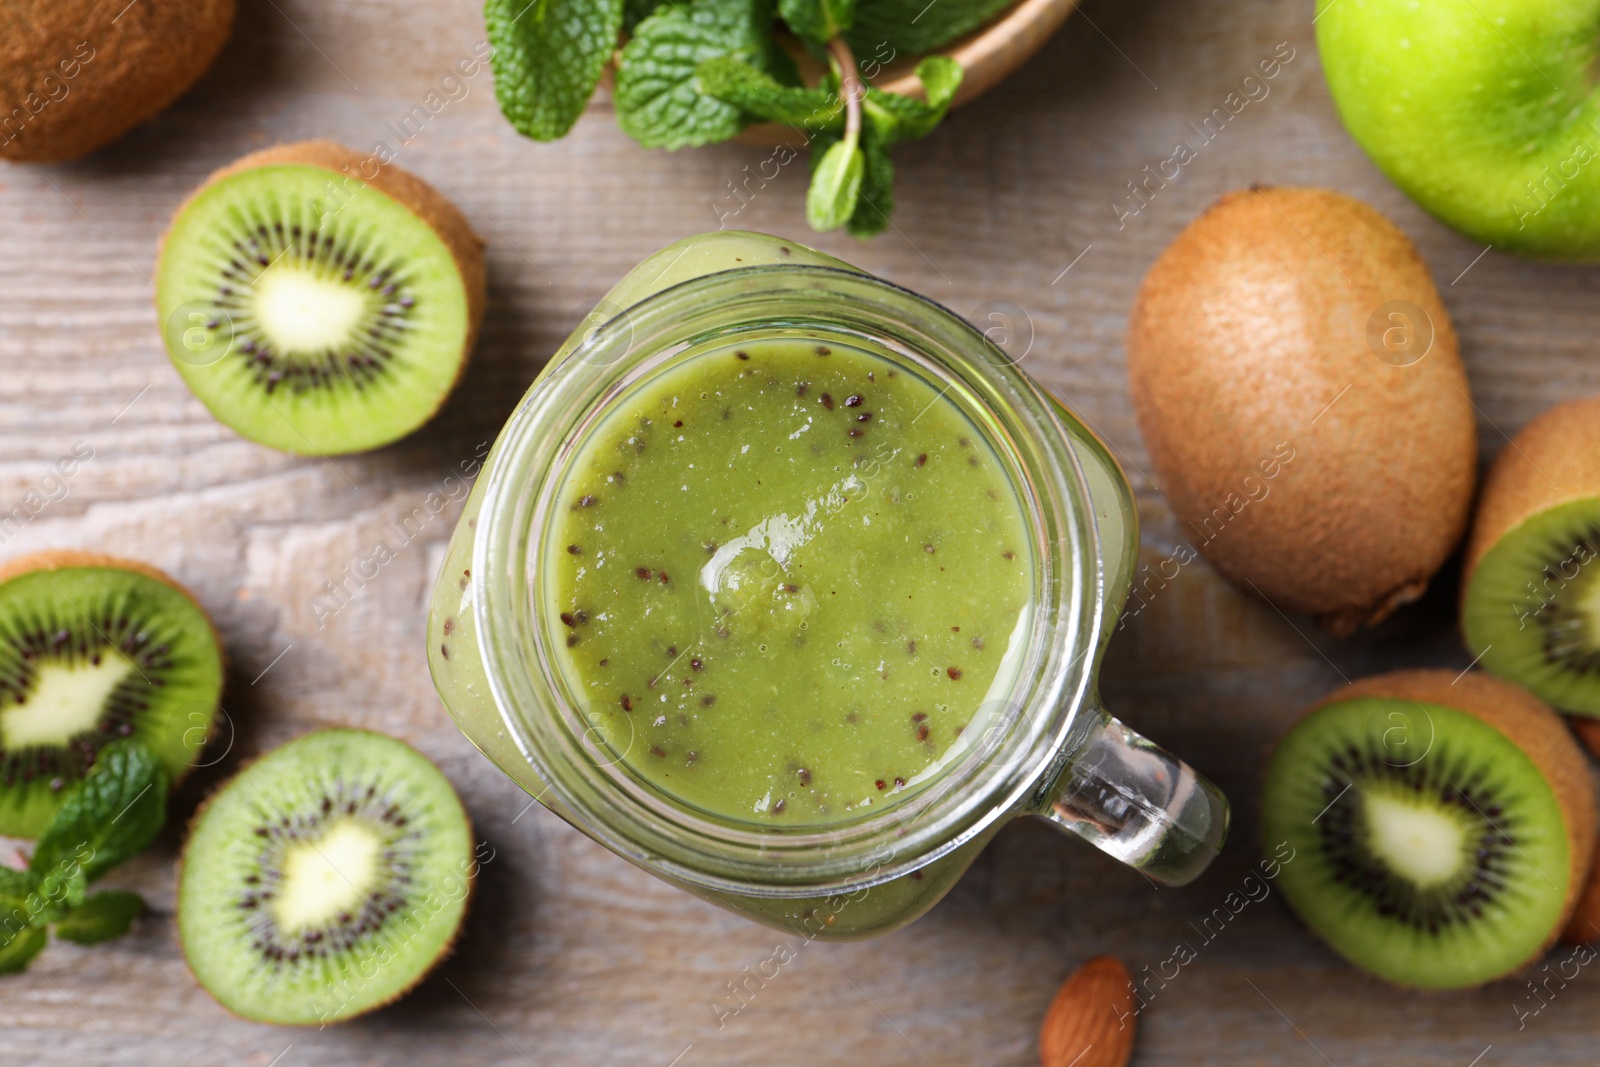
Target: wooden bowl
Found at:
988, 55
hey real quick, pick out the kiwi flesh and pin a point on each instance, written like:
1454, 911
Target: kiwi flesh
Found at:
77, 74
1441, 827
317, 301
93, 649
325, 879
1531, 594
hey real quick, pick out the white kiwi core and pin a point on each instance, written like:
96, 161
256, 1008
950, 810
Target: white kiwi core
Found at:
327, 877
66, 699
304, 312
1423, 845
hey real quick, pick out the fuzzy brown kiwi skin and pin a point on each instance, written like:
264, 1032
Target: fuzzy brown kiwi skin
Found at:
1584, 926
1245, 333
444, 953
1588, 731
422, 199
145, 56
1554, 460
56, 559
1532, 726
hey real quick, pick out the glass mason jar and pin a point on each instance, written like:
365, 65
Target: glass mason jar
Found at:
1046, 749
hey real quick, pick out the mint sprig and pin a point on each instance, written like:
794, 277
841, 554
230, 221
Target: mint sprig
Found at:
114, 813
696, 72
864, 203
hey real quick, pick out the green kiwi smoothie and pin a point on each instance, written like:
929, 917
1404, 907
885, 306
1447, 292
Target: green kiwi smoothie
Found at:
788, 590
783, 578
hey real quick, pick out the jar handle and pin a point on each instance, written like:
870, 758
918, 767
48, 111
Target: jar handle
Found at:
1140, 803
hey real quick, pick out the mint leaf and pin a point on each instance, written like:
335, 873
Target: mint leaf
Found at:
884, 28
15, 883
818, 21
940, 77
112, 814
18, 947
19, 906
759, 96
636, 11
835, 184
875, 202
19, 902
548, 57
658, 98
58, 892
101, 917
904, 118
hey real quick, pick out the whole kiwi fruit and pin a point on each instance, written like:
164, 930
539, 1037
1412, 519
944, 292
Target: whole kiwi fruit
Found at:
77, 74
1298, 384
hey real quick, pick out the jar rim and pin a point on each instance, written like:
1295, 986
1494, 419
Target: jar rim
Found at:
1002, 772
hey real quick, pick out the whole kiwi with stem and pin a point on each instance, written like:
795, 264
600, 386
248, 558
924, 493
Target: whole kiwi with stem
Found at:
1297, 381
1531, 592
1440, 827
318, 300
77, 74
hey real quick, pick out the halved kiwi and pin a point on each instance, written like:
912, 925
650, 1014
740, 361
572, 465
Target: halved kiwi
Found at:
318, 301
94, 648
325, 879
1441, 828
1531, 599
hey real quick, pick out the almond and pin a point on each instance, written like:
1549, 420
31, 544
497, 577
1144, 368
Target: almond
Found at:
1090, 1022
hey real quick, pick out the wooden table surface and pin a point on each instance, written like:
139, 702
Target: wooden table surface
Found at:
572, 956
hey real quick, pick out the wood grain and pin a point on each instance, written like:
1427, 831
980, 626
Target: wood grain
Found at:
571, 955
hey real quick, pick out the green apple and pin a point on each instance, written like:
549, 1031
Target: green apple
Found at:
1482, 111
